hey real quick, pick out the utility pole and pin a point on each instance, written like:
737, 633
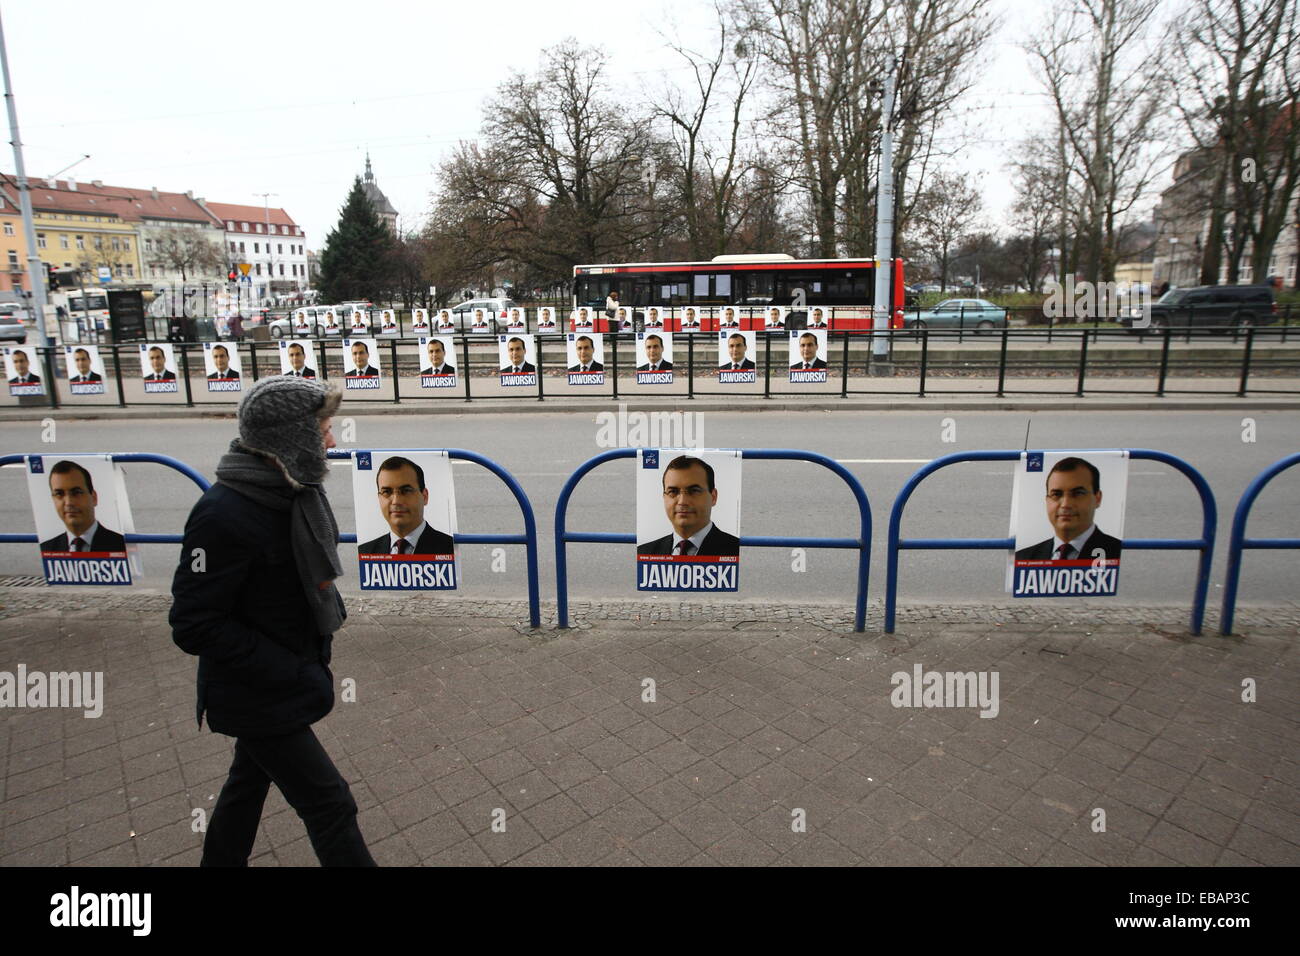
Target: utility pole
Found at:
35, 273
270, 262
884, 228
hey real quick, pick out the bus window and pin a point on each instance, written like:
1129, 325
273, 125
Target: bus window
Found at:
848, 288
702, 286
722, 286
754, 289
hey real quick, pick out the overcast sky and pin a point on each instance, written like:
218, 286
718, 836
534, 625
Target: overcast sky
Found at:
235, 99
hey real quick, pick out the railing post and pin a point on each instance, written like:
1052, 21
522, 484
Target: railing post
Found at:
925, 350
1245, 361
767, 364
117, 374
185, 373
690, 365
844, 368
1083, 364
1164, 363
465, 370
1002, 363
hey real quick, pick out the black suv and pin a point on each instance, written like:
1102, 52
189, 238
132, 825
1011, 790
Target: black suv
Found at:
1221, 307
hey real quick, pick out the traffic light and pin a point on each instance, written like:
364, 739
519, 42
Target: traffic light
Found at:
52, 281
233, 275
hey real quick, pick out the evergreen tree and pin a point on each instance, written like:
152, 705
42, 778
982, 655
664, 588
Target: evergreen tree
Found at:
358, 252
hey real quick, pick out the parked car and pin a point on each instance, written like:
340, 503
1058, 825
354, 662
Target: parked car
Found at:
12, 329
496, 309
299, 322
978, 315
1216, 307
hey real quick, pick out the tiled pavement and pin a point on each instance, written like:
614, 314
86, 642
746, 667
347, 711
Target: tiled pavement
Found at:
754, 718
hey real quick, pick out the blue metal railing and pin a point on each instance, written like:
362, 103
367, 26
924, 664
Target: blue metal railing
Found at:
132, 538
863, 542
1238, 541
1204, 544
528, 538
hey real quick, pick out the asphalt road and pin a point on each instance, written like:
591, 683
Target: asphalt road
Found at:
780, 498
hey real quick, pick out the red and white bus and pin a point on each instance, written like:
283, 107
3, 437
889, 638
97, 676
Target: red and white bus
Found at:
841, 290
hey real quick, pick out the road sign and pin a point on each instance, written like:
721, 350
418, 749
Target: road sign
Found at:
244, 267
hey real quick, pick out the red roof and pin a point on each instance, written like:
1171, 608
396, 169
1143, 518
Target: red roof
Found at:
231, 212
126, 203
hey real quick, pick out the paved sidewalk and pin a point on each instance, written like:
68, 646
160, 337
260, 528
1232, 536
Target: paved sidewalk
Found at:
758, 713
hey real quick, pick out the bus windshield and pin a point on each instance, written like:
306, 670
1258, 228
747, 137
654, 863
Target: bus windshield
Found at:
78, 304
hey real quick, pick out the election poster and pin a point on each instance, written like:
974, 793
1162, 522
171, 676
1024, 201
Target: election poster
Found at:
22, 371
388, 322
654, 319
775, 319
221, 365
158, 368
516, 320
623, 319
406, 520
808, 356
479, 322
1067, 519
446, 321
298, 359
819, 318
85, 369
584, 320
359, 323
437, 359
691, 319
518, 357
688, 519
729, 318
546, 320
654, 358
361, 364
82, 516
332, 326
420, 322
736, 357
586, 362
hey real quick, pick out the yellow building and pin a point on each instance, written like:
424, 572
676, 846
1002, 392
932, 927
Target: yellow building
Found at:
80, 227
13, 248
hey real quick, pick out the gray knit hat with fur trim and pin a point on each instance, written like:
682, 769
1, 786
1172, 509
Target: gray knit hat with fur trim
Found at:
280, 416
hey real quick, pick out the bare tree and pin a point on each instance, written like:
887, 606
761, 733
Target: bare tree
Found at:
189, 251
946, 213
714, 176
559, 177
1104, 92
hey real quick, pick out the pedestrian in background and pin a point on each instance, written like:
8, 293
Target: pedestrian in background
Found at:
254, 598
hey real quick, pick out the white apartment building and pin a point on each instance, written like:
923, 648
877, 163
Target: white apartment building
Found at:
273, 245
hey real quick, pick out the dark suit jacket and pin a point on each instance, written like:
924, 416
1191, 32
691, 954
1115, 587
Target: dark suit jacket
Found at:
104, 540
90, 377
167, 375
524, 368
748, 363
432, 541
663, 367
368, 370
717, 542
816, 363
229, 373
32, 379
1044, 550
307, 372
446, 370
592, 367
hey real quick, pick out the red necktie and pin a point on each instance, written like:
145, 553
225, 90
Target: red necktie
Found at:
403, 546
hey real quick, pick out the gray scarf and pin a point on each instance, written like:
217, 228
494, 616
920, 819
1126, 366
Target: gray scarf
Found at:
313, 532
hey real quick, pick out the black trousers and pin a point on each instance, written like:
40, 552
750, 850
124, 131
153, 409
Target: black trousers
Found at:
313, 786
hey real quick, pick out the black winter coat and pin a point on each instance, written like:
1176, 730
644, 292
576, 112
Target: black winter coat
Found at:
263, 669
